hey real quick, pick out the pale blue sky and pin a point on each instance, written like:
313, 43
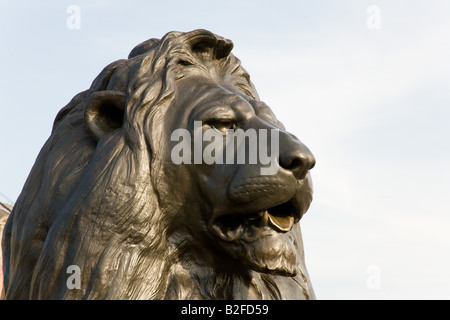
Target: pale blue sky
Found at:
372, 105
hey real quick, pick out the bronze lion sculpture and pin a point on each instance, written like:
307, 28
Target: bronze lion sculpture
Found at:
105, 196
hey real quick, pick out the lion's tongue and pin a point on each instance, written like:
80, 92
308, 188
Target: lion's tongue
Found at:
282, 223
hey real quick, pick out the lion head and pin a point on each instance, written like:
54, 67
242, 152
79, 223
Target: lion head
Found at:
105, 194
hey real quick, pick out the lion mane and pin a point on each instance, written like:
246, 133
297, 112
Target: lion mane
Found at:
94, 198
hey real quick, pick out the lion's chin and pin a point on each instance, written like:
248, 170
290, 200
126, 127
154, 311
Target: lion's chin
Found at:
264, 242
273, 253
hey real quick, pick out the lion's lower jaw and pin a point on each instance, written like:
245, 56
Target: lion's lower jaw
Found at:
266, 251
271, 256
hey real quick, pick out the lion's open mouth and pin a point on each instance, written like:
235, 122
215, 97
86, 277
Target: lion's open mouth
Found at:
249, 227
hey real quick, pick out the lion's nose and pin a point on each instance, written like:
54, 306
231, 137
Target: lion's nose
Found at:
296, 157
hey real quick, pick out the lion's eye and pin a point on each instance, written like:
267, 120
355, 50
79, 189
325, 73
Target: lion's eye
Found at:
222, 125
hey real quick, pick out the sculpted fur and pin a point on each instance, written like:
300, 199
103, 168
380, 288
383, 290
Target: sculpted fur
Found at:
105, 196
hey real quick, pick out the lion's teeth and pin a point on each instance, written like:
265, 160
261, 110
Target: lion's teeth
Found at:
264, 218
282, 223
234, 234
228, 234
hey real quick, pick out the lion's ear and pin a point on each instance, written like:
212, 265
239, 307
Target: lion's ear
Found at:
203, 41
104, 112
